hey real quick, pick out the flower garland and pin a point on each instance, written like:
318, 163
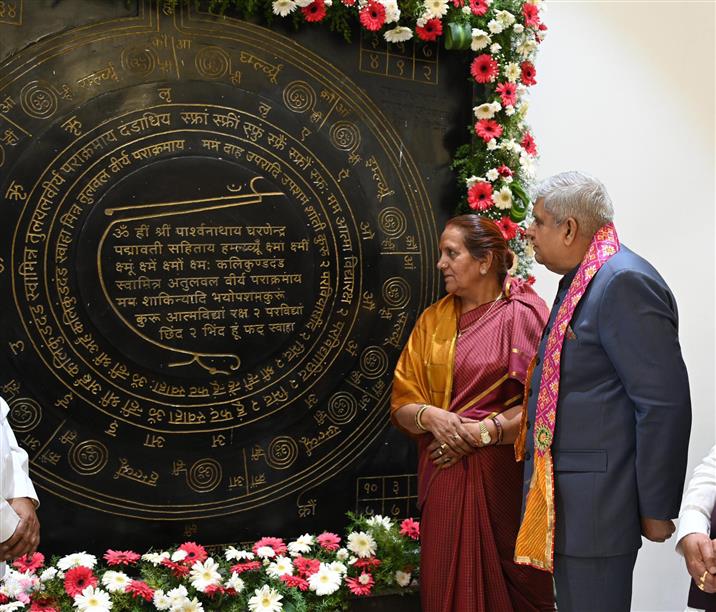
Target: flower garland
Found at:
310, 573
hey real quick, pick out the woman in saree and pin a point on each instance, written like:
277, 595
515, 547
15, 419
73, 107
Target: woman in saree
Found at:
458, 389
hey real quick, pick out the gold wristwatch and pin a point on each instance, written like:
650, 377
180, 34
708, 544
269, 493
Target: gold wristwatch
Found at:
484, 434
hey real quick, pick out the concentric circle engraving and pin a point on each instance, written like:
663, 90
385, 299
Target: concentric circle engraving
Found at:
205, 475
345, 135
38, 100
396, 292
212, 62
392, 222
25, 414
373, 362
88, 457
139, 60
342, 408
282, 452
299, 97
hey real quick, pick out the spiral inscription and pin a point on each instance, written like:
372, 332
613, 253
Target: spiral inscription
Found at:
282, 453
212, 62
392, 222
345, 136
396, 292
25, 414
138, 60
373, 362
204, 475
299, 97
38, 100
88, 457
342, 408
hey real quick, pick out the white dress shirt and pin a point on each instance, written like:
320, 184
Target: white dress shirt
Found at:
699, 500
14, 477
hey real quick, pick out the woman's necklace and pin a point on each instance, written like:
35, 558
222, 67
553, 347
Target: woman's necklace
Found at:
481, 317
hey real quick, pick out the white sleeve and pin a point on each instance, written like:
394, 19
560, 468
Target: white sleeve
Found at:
699, 500
8, 517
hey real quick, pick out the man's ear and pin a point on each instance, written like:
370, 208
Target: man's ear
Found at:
570, 231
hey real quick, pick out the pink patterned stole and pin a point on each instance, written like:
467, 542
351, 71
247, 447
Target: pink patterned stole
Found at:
535, 540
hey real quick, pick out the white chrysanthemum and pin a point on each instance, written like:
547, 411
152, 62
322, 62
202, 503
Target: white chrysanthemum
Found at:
265, 552
325, 581
155, 558
301, 545
392, 12
177, 595
161, 601
179, 556
492, 174
189, 605
509, 110
235, 582
48, 574
505, 18
495, 48
77, 560
337, 566
280, 567
361, 543
518, 28
512, 71
527, 47
398, 34
266, 599
470, 181
480, 39
93, 600
496, 106
491, 144
507, 179
342, 554
495, 26
421, 21
435, 8
379, 519
204, 574
115, 582
283, 7
503, 198
402, 578
527, 164
466, 10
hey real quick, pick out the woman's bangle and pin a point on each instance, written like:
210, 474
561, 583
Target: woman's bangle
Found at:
500, 431
419, 415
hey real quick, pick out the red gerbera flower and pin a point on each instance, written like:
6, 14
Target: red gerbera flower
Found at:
508, 93
484, 69
306, 567
215, 589
528, 144
528, 73
194, 552
487, 129
479, 196
508, 228
246, 566
458, 3
531, 14
431, 30
367, 563
328, 541
178, 569
4, 598
478, 7
78, 579
410, 528
348, 2
295, 582
121, 557
138, 588
276, 543
29, 563
362, 585
315, 11
504, 171
372, 16
43, 605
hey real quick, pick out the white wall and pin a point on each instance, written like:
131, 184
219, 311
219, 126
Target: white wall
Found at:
626, 92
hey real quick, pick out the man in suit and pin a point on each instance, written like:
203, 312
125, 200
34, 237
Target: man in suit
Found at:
608, 409
19, 527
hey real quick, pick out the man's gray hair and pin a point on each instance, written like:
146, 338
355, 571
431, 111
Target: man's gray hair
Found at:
578, 195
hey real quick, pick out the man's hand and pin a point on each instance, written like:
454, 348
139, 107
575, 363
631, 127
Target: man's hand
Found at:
27, 533
700, 557
657, 530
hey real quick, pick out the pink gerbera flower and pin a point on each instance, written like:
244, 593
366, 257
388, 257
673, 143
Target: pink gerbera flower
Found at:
328, 541
372, 16
528, 73
29, 563
484, 69
139, 589
508, 93
531, 14
306, 567
479, 196
362, 585
121, 557
315, 11
367, 563
478, 7
276, 543
215, 589
43, 605
487, 129
78, 579
431, 30
295, 582
246, 566
528, 144
178, 569
410, 528
508, 228
194, 552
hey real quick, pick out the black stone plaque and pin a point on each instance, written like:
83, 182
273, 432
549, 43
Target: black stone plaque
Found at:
216, 239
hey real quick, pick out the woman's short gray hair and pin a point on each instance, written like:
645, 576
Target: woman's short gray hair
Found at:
578, 195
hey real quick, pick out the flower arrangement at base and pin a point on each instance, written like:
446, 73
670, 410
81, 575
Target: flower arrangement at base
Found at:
310, 573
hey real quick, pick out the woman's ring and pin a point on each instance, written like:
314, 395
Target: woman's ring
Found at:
447, 460
456, 436
440, 452
443, 446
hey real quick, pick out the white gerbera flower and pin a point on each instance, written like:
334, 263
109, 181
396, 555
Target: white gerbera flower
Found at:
495, 26
161, 601
512, 71
379, 519
93, 600
398, 34
337, 566
235, 582
77, 560
495, 48
301, 545
503, 198
402, 578
469, 182
505, 18
342, 554
266, 599
392, 12
480, 39
484, 111
155, 558
115, 582
361, 543
283, 7
189, 605
280, 567
265, 552
435, 8
177, 595
527, 47
492, 174
325, 581
179, 556
232, 554
491, 144
48, 574
11, 607
204, 574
